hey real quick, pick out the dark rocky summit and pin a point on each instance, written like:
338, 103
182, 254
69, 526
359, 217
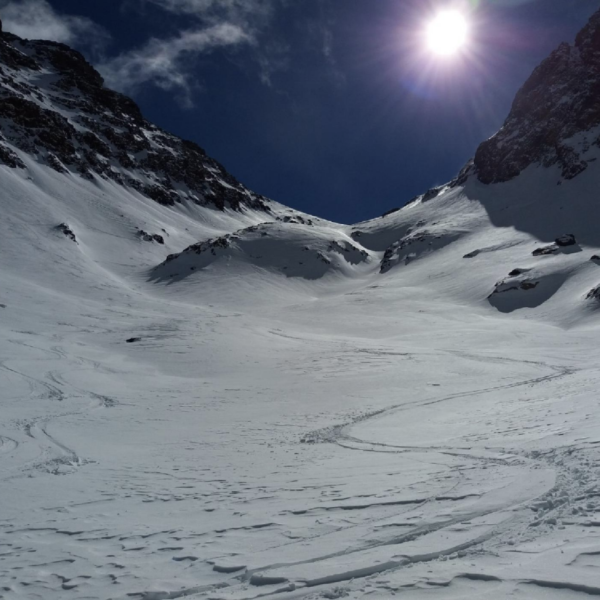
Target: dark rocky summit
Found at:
55, 108
555, 117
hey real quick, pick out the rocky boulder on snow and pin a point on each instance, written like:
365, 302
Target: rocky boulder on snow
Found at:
67, 231
565, 243
150, 237
566, 240
594, 294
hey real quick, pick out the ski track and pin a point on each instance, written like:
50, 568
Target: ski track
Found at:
241, 581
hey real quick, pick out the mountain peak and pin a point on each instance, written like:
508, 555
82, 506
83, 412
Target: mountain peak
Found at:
58, 112
588, 39
554, 117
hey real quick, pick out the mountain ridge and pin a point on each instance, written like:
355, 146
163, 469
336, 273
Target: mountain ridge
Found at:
556, 103
59, 111
109, 137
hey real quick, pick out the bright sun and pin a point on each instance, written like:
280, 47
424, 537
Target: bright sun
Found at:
447, 33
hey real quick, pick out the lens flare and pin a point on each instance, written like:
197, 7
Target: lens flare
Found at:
448, 33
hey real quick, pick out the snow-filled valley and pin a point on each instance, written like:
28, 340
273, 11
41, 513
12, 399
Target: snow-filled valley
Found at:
219, 426
206, 394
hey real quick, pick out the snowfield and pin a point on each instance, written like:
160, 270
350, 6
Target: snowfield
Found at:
405, 407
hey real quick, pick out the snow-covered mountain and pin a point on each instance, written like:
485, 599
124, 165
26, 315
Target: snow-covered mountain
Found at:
204, 393
56, 109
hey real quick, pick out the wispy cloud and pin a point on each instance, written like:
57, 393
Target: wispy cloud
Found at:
36, 19
272, 52
166, 63
169, 63
320, 30
247, 13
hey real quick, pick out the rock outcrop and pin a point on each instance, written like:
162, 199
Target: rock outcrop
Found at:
55, 108
555, 117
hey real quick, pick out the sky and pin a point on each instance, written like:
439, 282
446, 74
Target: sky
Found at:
332, 107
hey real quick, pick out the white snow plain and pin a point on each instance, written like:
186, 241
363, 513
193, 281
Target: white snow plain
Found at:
295, 427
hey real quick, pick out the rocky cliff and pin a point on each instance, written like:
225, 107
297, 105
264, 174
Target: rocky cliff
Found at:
54, 107
555, 117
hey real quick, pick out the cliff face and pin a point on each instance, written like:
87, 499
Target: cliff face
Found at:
555, 117
55, 108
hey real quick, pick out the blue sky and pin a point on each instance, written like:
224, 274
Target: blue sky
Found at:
323, 105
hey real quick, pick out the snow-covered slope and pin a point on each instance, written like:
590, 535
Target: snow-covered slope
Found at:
215, 396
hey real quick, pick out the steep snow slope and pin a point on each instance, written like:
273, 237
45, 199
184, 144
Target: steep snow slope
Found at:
237, 400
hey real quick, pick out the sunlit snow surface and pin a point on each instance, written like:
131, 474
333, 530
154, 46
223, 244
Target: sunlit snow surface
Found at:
321, 433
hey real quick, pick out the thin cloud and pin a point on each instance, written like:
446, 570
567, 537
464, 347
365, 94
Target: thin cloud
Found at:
212, 25
250, 13
166, 63
321, 31
169, 63
37, 20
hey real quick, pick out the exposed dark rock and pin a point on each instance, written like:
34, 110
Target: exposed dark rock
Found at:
431, 194
505, 286
594, 294
108, 138
412, 246
150, 237
67, 231
296, 219
360, 255
390, 257
559, 100
566, 240
545, 250
463, 175
133, 340
212, 246
517, 272
9, 158
595, 258
390, 212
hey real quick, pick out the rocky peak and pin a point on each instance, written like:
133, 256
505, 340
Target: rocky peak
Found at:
55, 108
555, 117
588, 39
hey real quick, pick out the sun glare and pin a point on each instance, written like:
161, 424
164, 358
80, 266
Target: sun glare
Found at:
447, 34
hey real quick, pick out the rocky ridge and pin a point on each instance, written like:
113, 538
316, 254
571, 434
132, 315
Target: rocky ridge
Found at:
55, 108
555, 117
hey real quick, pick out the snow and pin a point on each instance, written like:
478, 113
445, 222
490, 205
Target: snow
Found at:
323, 433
